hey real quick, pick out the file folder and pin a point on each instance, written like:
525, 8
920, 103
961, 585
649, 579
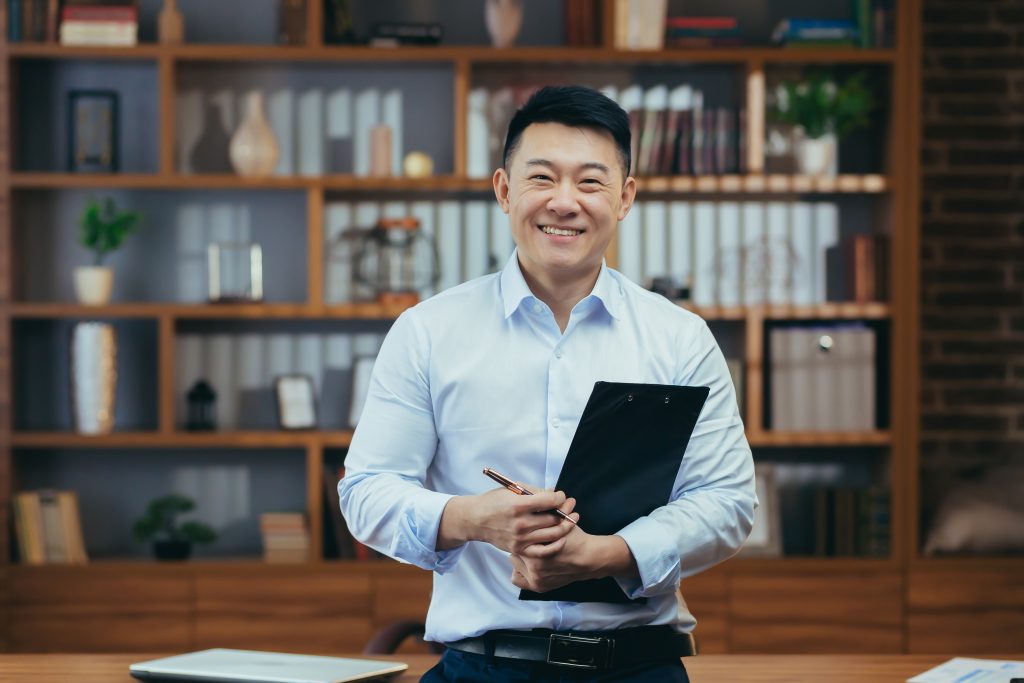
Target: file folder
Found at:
622, 464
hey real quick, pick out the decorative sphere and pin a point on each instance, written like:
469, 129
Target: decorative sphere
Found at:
418, 165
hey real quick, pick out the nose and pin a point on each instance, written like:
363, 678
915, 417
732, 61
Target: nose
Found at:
563, 199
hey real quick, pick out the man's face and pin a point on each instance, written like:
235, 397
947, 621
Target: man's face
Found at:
564, 194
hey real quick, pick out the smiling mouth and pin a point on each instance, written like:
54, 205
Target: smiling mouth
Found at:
562, 232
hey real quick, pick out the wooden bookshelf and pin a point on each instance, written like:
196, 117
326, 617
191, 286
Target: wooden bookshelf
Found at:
737, 602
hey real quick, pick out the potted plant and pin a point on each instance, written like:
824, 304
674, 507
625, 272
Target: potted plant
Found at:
171, 540
822, 112
103, 227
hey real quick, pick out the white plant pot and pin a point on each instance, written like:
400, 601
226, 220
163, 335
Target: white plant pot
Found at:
817, 156
93, 285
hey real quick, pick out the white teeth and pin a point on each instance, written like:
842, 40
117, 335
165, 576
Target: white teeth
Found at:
559, 231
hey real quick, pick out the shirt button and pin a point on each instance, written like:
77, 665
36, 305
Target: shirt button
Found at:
537, 308
558, 353
554, 422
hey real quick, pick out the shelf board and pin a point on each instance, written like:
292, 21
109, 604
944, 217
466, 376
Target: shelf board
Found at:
965, 563
375, 311
766, 184
710, 184
454, 53
57, 51
246, 565
770, 438
349, 311
214, 566
154, 439
836, 565
273, 439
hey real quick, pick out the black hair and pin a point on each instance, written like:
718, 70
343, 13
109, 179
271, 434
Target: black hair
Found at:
575, 106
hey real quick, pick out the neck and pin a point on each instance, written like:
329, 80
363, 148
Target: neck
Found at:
560, 294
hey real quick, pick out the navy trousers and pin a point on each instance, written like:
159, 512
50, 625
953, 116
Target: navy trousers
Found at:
464, 667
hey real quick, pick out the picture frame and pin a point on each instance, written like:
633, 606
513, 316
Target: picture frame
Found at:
765, 538
362, 370
93, 131
296, 402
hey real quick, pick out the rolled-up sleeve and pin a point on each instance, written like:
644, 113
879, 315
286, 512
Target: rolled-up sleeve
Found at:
382, 494
713, 498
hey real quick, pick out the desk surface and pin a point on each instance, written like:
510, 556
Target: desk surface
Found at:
711, 668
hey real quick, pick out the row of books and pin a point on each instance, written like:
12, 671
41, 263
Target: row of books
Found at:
702, 32
110, 24
836, 521
48, 527
870, 27
338, 540
674, 131
285, 537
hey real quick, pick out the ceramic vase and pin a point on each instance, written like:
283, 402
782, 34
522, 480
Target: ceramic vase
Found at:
504, 18
253, 148
817, 156
171, 24
93, 285
93, 377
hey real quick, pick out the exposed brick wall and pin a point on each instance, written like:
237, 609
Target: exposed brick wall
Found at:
972, 280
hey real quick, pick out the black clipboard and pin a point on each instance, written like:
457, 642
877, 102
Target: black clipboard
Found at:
621, 466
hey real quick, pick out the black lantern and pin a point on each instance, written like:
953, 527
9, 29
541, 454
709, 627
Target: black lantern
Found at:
397, 260
201, 413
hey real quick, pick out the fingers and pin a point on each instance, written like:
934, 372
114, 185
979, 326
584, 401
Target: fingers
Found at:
539, 502
543, 550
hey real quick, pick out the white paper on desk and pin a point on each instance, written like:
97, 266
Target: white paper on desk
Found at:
966, 670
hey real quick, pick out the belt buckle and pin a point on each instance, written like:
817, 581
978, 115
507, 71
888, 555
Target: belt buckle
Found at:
580, 652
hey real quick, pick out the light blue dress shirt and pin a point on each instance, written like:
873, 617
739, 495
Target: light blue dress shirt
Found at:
480, 376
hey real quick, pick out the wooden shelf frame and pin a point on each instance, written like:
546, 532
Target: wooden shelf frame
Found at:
899, 183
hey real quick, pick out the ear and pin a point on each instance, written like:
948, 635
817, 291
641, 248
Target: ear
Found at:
627, 197
500, 182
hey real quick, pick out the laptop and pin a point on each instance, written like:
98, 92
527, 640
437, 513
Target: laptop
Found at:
248, 666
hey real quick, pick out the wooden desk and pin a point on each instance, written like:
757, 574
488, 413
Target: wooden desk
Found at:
705, 668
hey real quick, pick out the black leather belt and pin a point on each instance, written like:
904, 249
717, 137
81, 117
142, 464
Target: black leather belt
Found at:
583, 650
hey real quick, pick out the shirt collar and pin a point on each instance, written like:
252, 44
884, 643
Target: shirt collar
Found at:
514, 288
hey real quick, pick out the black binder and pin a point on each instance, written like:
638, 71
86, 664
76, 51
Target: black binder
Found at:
622, 464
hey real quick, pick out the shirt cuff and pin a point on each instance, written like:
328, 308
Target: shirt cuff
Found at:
416, 539
655, 557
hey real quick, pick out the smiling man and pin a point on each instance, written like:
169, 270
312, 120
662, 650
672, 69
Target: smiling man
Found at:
496, 373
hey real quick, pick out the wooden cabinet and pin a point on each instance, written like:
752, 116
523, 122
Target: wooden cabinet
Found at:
68, 609
849, 612
971, 608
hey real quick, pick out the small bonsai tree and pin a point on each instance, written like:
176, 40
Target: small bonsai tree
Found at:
820, 106
104, 227
160, 522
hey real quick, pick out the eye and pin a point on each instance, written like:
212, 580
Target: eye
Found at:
540, 176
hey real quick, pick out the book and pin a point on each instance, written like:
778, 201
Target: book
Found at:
866, 263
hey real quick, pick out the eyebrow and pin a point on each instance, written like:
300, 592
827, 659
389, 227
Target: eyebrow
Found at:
588, 165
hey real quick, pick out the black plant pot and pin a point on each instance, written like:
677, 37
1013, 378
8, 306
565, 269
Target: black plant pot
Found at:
172, 550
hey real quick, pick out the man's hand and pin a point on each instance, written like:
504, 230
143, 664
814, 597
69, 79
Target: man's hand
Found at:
516, 524
580, 556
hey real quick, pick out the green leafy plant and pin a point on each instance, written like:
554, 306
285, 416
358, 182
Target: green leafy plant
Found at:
104, 227
820, 106
160, 522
